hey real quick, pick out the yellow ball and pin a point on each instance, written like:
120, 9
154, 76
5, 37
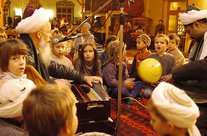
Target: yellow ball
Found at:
149, 70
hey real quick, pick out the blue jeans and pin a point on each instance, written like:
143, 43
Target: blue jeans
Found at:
127, 93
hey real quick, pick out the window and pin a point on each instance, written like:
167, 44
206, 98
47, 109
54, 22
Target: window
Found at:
65, 9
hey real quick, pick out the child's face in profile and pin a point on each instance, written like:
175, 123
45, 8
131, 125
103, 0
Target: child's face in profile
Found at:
158, 124
59, 49
88, 53
17, 64
160, 45
172, 44
140, 45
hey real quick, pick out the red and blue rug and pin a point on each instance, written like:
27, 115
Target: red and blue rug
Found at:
135, 120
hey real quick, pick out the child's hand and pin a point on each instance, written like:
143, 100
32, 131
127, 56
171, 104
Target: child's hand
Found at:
129, 83
167, 78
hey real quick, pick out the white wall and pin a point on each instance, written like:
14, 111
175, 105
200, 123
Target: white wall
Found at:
199, 3
154, 10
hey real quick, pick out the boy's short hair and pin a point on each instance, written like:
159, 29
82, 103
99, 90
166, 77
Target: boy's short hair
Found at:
9, 48
163, 36
47, 108
176, 37
145, 38
174, 105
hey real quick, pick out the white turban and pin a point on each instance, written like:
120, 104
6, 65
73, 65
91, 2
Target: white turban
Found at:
193, 15
12, 94
176, 106
33, 23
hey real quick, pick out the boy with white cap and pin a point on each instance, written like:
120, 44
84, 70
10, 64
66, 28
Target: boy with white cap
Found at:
173, 112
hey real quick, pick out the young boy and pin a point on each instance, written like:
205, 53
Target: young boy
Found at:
50, 111
59, 51
167, 60
173, 112
143, 42
173, 49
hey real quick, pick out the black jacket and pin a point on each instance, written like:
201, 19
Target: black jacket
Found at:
60, 71
192, 78
54, 69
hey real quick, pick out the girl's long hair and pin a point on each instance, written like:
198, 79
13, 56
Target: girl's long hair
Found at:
112, 52
82, 59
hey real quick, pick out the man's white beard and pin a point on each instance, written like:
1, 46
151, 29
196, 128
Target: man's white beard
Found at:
45, 52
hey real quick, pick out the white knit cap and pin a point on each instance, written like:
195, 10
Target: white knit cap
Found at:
176, 106
33, 23
87, 25
145, 38
12, 94
193, 15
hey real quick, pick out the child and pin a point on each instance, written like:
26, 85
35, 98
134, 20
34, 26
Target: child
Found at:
173, 112
50, 111
167, 60
173, 49
108, 40
14, 86
110, 74
59, 51
143, 42
88, 62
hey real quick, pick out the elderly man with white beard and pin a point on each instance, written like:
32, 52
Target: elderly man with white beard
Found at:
35, 32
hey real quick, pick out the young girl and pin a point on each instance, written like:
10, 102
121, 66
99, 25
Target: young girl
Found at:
14, 86
167, 60
143, 42
83, 37
108, 40
88, 62
110, 74
173, 112
173, 49
59, 51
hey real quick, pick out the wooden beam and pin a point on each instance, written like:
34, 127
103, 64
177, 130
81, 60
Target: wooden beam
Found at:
1, 12
80, 2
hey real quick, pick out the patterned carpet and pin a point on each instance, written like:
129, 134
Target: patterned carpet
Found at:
135, 120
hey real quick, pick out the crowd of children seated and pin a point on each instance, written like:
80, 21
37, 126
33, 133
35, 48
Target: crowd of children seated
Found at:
15, 85
88, 62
